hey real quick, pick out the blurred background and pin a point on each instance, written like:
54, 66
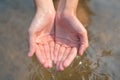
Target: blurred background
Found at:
101, 61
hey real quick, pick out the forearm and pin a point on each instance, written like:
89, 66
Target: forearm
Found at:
43, 5
69, 6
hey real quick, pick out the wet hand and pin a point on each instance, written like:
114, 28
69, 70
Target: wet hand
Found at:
41, 39
71, 38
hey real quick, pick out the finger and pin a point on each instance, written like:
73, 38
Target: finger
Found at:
39, 55
83, 46
81, 50
60, 55
57, 46
52, 45
83, 43
70, 57
32, 46
47, 53
66, 53
61, 67
43, 55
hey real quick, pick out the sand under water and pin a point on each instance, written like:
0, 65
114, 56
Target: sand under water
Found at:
101, 61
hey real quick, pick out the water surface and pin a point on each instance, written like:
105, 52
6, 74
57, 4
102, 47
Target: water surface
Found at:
101, 61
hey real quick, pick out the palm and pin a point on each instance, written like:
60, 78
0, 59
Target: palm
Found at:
66, 34
70, 36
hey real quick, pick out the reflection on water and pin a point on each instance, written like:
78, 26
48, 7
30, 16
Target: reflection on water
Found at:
100, 61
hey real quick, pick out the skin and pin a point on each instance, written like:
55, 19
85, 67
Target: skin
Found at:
56, 37
70, 35
41, 33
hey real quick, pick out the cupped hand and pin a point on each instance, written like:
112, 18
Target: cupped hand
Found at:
71, 38
41, 37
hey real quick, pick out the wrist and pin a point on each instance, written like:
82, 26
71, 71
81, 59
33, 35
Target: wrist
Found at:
66, 13
67, 7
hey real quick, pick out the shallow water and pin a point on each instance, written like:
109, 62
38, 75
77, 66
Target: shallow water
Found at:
100, 61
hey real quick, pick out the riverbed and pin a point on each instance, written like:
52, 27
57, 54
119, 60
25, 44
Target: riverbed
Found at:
101, 61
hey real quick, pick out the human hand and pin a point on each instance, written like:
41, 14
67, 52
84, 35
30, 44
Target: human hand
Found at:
71, 38
41, 39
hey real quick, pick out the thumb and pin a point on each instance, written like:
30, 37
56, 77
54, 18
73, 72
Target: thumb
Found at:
81, 50
31, 46
83, 43
31, 51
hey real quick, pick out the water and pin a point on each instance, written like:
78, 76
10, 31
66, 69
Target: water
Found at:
100, 61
